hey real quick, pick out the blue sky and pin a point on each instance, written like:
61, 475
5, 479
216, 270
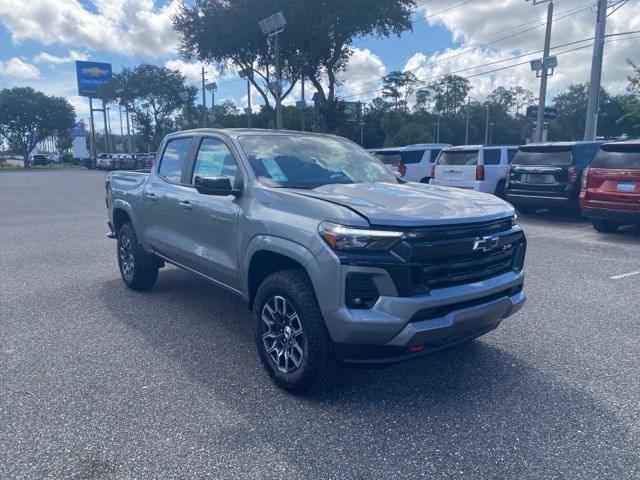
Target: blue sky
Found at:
39, 41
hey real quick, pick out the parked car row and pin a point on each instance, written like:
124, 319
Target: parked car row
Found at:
602, 179
120, 161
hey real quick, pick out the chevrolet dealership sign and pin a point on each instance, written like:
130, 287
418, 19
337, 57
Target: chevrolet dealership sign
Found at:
90, 76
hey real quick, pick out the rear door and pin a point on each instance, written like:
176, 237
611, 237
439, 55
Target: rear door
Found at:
456, 167
614, 175
495, 165
162, 212
415, 164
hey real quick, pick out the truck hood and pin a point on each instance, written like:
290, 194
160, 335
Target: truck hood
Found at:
412, 204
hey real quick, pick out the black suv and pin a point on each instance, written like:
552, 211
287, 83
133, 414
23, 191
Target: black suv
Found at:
547, 175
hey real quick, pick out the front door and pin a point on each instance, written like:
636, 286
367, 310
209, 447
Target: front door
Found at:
211, 222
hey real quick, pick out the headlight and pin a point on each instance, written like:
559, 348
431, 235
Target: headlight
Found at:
339, 237
514, 220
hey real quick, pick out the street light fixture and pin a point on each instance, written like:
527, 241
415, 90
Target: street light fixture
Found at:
271, 27
212, 87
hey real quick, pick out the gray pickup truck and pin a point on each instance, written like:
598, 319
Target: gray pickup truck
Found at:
340, 260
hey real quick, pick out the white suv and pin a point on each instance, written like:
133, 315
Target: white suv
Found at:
413, 163
474, 167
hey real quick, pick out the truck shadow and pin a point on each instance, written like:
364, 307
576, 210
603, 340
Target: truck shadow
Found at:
475, 400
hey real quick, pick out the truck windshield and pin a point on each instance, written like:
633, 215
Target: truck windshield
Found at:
458, 157
298, 161
543, 156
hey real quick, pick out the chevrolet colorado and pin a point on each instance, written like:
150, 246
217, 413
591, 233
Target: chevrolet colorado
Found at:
340, 260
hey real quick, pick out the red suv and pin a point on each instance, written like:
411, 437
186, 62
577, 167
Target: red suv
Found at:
610, 194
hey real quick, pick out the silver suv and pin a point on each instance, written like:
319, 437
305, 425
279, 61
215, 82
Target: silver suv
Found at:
340, 260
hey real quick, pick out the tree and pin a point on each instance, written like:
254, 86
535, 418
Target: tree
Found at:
316, 41
153, 93
502, 98
27, 117
450, 93
522, 97
399, 86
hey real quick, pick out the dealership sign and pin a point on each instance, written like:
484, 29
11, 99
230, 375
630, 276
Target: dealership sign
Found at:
90, 76
549, 112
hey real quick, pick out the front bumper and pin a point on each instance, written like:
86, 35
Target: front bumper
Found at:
400, 328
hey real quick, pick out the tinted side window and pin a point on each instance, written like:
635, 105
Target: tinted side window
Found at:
412, 156
511, 153
434, 154
214, 159
172, 162
492, 157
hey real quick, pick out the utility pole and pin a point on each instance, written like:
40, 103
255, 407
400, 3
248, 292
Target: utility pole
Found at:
126, 114
486, 128
591, 127
204, 102
545, 70
466, 129
303, 110
279, 84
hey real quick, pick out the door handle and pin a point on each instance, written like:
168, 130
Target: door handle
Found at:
186, 204
152, 196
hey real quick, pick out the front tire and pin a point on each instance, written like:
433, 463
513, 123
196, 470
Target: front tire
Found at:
604, 226
138, 269
292, 340
526, 209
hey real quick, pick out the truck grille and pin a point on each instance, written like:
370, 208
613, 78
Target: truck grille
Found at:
446, 263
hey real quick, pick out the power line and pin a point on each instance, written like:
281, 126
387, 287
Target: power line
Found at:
568, 13
521, 63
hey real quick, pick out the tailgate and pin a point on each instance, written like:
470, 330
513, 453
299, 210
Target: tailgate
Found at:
455, 173
614, 184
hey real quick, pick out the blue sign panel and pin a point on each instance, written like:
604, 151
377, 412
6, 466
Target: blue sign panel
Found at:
90, 76
78, 130
549, 112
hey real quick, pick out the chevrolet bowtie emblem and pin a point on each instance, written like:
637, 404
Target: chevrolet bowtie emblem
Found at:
485, 244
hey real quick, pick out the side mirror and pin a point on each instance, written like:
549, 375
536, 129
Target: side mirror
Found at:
220, 186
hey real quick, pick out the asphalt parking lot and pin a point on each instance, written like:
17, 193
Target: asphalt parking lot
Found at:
97, 381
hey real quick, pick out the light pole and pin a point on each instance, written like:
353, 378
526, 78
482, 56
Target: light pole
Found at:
213, 87
466, 130
544, 65
272, 26
245, 74
184, 96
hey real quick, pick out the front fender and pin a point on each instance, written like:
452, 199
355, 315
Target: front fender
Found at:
323, 268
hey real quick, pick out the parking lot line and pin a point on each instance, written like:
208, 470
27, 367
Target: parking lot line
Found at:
624, 275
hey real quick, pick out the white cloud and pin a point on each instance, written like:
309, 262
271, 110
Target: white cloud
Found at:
193, 71
574, 20
362, 76
131, 27
44, 57
19, 69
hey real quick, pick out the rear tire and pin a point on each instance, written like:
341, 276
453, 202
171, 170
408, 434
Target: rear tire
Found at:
291, 337
138, 269
425, 180
604, 226
500, 189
